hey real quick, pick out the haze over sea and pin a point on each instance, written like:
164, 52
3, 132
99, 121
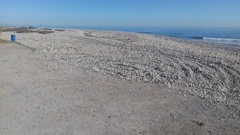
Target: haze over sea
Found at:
224, 35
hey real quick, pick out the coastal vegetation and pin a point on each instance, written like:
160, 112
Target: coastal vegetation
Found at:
29, 30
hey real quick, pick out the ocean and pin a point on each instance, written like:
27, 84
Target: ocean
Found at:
227, 36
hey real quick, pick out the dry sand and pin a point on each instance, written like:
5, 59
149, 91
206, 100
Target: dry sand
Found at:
105, 82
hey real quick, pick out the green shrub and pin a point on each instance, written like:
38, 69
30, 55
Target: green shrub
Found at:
47, 29
59, 30
45, 32
31, 27
22, 30
18, 30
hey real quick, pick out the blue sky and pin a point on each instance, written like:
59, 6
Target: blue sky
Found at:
170, 13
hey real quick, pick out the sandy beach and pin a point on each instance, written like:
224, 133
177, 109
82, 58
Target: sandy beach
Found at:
108, 82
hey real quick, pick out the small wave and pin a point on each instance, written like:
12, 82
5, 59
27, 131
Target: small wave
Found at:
222, 40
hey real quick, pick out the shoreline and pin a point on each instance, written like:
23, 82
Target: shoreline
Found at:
226, 41
208, 70
216, 35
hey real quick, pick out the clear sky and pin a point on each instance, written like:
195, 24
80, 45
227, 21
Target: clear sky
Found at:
170, 13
